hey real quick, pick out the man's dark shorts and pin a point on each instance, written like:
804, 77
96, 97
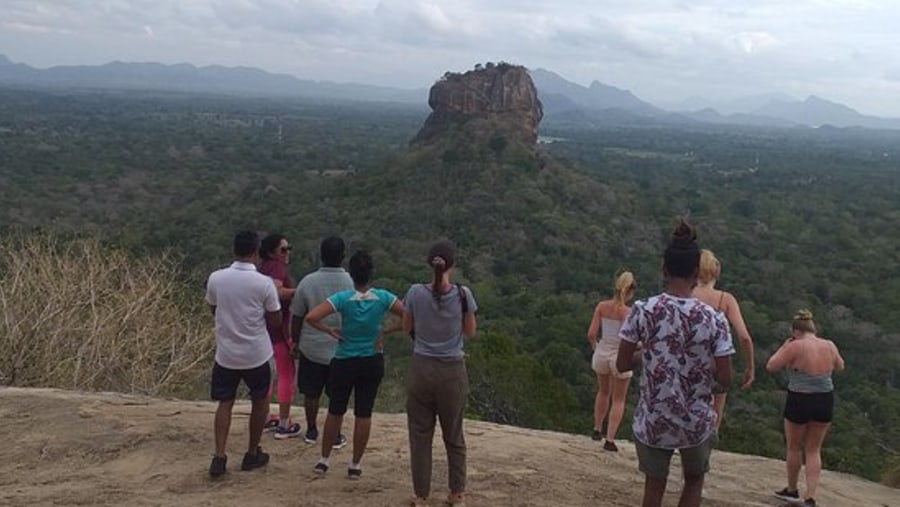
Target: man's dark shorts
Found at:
225, 381
359, 375
312, 377
654, 461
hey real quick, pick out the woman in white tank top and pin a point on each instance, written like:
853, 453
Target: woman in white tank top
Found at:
607, 320
724, 302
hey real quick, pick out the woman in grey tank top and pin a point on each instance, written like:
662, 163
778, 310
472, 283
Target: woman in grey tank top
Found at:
809, 407
439, 316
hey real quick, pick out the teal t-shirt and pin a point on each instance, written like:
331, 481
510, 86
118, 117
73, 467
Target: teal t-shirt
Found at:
361, 316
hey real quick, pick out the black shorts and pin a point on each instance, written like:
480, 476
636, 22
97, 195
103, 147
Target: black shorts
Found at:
801, 408
362, 376
225, 381
312, 377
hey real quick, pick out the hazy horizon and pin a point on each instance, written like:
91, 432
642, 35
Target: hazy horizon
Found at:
664, 51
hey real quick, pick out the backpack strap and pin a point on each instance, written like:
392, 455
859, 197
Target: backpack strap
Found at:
463, 299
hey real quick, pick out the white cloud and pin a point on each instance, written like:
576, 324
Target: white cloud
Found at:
660, 49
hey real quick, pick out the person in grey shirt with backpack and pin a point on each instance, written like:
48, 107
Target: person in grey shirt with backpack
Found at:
439, 316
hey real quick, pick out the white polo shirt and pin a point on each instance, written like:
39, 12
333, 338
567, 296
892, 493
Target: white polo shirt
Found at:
242, 296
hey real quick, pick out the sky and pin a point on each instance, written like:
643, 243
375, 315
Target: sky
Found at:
664, 51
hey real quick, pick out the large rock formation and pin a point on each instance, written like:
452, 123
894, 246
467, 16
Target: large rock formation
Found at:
491, 100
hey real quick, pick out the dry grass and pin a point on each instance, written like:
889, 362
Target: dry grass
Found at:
78, 315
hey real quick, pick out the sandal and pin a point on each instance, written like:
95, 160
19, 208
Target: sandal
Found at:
456, 499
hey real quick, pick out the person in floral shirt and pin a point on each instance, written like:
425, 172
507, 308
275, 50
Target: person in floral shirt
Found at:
686, 348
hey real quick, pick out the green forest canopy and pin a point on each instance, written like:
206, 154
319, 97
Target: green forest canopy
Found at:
799, 217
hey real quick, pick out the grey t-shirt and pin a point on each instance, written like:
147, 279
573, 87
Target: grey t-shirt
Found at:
312, 291
438, 325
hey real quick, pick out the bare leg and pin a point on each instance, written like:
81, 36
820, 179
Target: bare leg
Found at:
719, 404
601, 402
284, 411
311, 407
620, 392
361, 429
222, 426
815, 435
258, 413
794, 434
330, 433
653, 492
692, 491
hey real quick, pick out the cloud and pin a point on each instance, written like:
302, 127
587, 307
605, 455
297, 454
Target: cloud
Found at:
755, 42
657, 48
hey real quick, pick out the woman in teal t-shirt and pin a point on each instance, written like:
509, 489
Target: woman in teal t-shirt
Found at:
358, 365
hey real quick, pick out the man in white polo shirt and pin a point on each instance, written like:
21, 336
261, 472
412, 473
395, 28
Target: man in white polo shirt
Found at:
242, 301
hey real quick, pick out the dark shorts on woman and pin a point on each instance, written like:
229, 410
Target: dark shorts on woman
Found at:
359, 375
802, 408
225, 381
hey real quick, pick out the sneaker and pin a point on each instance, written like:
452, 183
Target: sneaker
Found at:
289, 432
320, 468
596, 435
340, 442
272, 423
254, 461
354, 473
788, 495
609, 445
217, 466
809, 502
312, 435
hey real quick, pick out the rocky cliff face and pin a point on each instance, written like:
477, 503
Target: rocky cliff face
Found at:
503, 95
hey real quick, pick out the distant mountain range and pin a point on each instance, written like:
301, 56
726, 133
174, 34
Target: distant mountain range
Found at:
185, 77
561, 98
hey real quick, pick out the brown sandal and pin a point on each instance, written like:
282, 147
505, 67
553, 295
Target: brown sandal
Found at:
457, 499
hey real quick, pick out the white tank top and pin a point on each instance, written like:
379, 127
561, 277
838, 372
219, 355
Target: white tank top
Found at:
609, 334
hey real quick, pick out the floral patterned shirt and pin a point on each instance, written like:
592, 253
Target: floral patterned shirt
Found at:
681, 338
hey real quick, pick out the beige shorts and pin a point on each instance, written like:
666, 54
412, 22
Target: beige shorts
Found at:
604, 363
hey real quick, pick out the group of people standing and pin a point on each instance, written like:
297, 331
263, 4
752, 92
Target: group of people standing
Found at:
326, 333
682, 340
334, 321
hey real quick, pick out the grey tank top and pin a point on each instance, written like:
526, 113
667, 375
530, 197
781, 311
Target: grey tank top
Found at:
802, 382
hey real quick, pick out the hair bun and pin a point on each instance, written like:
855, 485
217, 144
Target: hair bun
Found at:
684, 234
803, 315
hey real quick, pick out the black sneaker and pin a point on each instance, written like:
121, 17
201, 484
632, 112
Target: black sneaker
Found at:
788, 495
809, 502
312, 435
609, 445
217, 466
354, 473
596, 435
320, 468
340, 442
254, 461
284, 433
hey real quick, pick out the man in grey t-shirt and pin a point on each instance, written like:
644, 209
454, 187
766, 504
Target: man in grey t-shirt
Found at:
316, 349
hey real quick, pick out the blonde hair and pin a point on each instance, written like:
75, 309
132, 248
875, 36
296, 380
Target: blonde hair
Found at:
624, 286
803, 321
710, 267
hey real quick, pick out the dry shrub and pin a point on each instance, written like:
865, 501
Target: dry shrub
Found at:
892, 476
78, 315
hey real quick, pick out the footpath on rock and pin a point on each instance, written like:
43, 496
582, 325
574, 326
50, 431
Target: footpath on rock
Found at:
69, 448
